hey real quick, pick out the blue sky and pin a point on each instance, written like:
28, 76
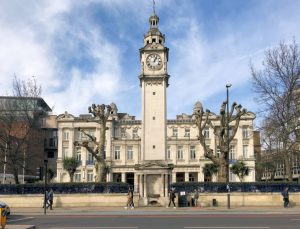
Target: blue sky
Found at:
86, 51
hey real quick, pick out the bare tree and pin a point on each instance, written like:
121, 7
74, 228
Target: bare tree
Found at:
20, 133
277, 88
220, 131
101, 114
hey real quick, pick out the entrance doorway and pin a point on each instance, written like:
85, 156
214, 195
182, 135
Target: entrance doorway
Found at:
130, 178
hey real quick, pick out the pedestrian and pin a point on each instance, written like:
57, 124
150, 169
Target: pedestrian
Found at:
46, 201
129, 199
172, 197
50, 199
285, 195
196, 197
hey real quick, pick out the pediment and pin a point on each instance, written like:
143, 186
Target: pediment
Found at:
65, 116
153, 166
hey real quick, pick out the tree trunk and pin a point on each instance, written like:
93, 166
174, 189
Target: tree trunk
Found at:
222, 171
15, 173
101, 162
100, 171
288, 171
71, 177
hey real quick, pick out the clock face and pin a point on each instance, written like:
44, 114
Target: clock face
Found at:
153, 61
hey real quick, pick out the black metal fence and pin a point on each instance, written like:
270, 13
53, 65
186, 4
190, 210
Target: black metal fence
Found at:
67, 188
236, 187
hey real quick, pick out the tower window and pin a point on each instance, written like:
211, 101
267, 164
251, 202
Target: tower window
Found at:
153, 146
153, 40
153, 117
160, 41
153, 93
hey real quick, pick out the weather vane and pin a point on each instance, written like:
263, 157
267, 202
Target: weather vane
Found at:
154, 6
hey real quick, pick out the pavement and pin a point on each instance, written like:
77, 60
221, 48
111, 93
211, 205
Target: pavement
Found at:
154, 210
146, 211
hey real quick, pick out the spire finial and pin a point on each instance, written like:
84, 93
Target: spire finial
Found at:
153, 6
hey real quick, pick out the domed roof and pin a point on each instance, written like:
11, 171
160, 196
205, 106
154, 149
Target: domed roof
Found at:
153, 17
198, 105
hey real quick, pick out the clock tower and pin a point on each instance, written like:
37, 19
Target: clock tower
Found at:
154, 82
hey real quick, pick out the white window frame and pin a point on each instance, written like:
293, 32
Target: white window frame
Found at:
180, 152
169, 152
232, 152
129, 152
65, 135
117, 153
77, 177
65, 152
218, 151
245, 132
206, 133
192, 152
187, 132
175, 132
90, 176
78, 153
78, 135
245, 151
90, 157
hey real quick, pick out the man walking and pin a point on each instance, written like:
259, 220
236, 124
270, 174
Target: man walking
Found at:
172, 197
285, 194
50, 199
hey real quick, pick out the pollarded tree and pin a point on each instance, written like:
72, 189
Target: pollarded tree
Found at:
101, 114
70, 164
240, 169
277, 88
220, 131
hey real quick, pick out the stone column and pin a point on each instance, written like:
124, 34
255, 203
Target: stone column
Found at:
145, 185
173, 177
136, 182
200, 176
186, 176
123, 178
138, 188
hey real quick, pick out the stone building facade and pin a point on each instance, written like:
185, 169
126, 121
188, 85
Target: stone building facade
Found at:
152, 152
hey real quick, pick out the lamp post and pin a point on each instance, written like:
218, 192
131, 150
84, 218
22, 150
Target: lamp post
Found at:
228, 146
45, 185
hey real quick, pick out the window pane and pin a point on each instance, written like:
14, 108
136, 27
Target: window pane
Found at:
192, 152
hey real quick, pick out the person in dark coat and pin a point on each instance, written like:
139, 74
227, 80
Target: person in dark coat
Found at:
172, 197
285, 194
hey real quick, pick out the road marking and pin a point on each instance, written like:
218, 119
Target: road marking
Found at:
96, 227
15, 220
226, 227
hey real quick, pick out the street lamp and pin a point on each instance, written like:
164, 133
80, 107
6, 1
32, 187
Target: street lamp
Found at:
227, 156
45, 186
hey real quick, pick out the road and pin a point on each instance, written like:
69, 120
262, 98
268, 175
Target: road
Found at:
161, 220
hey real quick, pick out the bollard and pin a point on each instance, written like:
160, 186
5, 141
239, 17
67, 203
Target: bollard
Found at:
3, 217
